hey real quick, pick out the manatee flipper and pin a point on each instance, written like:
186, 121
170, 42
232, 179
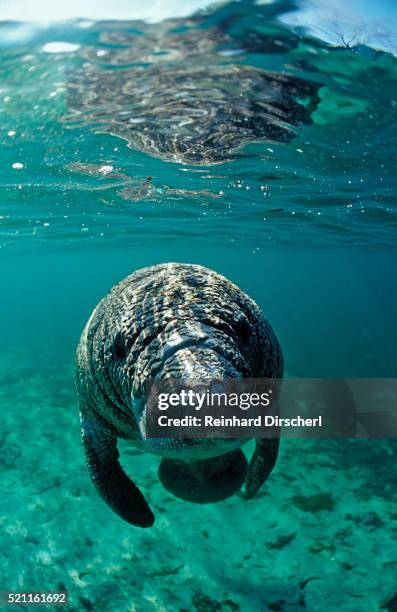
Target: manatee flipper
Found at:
262, 462
203, 481
109, 478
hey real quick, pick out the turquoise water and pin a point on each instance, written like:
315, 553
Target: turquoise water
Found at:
304, 220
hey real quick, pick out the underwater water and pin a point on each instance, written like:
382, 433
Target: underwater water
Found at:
242, 142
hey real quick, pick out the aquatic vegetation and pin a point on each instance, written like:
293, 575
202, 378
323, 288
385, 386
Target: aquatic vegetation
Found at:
314, 503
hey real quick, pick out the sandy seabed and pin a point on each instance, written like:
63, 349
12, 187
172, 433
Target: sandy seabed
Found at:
319, 536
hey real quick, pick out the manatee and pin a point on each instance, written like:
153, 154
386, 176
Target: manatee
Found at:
170, 321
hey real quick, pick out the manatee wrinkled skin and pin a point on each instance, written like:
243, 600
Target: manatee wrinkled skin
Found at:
169, 320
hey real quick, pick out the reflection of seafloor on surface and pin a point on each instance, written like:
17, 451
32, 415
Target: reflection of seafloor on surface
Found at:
311, 539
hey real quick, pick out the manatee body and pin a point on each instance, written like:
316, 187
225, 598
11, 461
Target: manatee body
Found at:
171, 320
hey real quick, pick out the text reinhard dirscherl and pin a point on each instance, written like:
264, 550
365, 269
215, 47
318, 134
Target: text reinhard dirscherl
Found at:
234, 421
244, 401
218, 412
292, 407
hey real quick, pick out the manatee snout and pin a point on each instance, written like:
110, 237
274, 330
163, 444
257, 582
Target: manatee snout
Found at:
170, 322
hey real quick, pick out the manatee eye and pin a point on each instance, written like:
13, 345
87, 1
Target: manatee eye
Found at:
243, 330
119, 350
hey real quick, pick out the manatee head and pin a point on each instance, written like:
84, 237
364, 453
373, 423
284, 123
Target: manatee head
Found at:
189, 326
